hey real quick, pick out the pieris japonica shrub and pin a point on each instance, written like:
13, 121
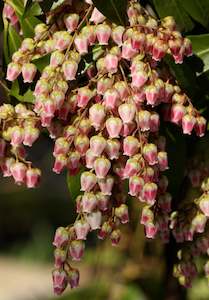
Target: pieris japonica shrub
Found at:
102, 99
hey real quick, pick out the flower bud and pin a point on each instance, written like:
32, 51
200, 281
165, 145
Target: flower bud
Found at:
159, 50
188, 123
112, 148
128, 52
73, 160
139, 78
97, 17
111, 62
130, 146
106, 185
149, 193
154, 122
81, 229
97, 115
199, 222
132, 167
147, 216
105, 230
177, 113
115, 237
97, 144
18, 171
103, 84
121, 212
103, 32
150, 230
70, 68
117, 35
136, 184
28, 72
32, 177
73, 277
57, 58
59, 281
89, 202
76, 249
122, 89
127, 112
60, 163
81, 143
61, 146
114, 126
62, 40
162, 160
31, 134
88, 181
204, 205
90, 159
6, 166
200, 126
71, 22
144, 117
102, 166
61, 237
84, 96
81, 43
94, 219
150, 154
60, 257
111, 99
13, 71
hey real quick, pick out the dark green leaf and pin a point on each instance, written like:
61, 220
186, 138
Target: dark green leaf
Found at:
200, 45
14, 40
185, 76
28, 24
73, 183
32, 9
114, 10
15, 92
174, 8
198, 10
42, 62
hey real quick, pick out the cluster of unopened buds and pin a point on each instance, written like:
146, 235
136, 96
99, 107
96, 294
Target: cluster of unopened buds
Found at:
193, 228
104, 117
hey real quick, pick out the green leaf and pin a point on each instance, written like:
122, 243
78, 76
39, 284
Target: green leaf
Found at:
114, 10
32, 9
200, 45
174, 8
198, 10
42, 62
14, 40
73, 183
184, 74
28, 24
15, 92
5, 44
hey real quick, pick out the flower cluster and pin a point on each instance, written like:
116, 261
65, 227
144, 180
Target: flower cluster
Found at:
9, 14
104, 117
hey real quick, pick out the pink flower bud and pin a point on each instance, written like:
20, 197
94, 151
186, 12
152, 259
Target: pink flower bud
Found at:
103, 33
188, 123
105, 230
46, 120
112, 148
103, 84
71, 22
28, 72
122, 89
81, 143
61, 237
88, 181
58, 97
18, 171
70, 68
90, 33
70, 131
149, 192
81, 43
31, 134
49, 107
60, 163
42, 87
139, 78
177, 113
149, 174
122, 213
28, 44
61, 146
81, 229
114, 126
152, 94
94, 219
60, 257
200, 126
117, 35
90, 159
13, 71
106, 185
64, 110
128, 52
97, 115
102, 201
32, 177
3, 145
111, 99
89, 202
8, 11
97, 144
73, 278
102, 166
84, 96
154, 122
138, 40
136, 184
130, 146
62, 40
199, 223
115, 237
132, 167
73, 160
127, 112
150, 230
76, 249
128, 129
150, 154
147, 216
59, 281
6, 166
187, 47
57, 58
162, 160
144, 117
97, 17
111, 62
159, 50
204, 205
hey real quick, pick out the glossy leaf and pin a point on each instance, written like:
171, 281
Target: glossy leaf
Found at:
200, 45
42, 62
5, 44
32, 9
114, 10
174, 8
73, 183
28, 24
14, 40
27, 97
